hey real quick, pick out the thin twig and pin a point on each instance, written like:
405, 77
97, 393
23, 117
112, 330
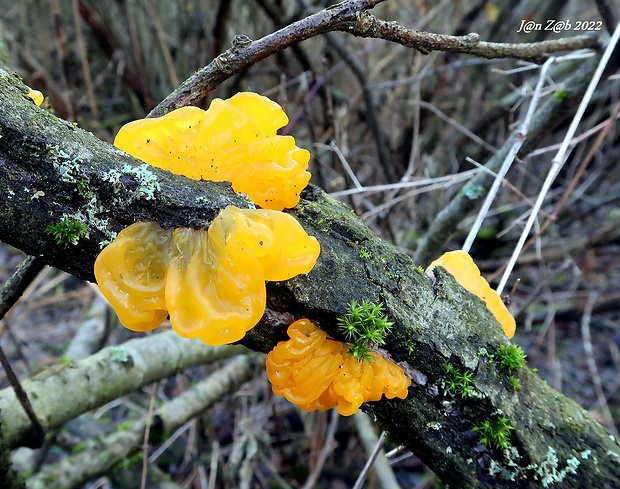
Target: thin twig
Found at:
9, 294
510, 157
334, 147
36, 435
456, 178
328, 447
426, 42
360, 74
350, 16
81, 44
163, 44
147, 432
596, 378
604, 128
75, 470
560, 157
245, 52
362, 477
15, 286
215, 452
459, 127
442, 182
373, 445
547, 117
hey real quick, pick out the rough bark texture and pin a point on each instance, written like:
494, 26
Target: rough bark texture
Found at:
436, 322
52, 170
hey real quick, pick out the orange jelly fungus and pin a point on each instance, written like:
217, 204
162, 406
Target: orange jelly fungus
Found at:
234, 140
211, 283
317, 373
462, 267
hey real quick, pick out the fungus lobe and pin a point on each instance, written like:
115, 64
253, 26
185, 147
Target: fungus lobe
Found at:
211, 283
317, 373
462, 267
234, 140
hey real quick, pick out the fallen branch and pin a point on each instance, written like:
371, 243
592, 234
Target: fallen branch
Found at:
107, 375
78, 469
436, 322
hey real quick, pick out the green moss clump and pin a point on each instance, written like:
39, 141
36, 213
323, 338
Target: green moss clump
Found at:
561, 95
67, 232
494, 433
514, 382
459, 383
364, 325
510, 356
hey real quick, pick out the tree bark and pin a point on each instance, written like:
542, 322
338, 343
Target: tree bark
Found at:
51, 170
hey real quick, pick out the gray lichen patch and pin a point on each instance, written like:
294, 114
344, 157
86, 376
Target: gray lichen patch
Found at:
146, 180
119, 354
67, 166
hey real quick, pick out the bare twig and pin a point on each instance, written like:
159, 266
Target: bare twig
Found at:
359, 72
596, 378
560, 157
9, 294
604, 129
15, 286
161, 37
510, 157
350, 16
426, 42
547, 117
77, 469
328, 447
123, 368
34, 438
376, 456
88, 79
147, 432
245, 52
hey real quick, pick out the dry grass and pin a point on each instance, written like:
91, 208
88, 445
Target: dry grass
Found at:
436, 114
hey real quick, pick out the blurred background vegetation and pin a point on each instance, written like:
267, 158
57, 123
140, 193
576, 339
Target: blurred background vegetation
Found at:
372, 113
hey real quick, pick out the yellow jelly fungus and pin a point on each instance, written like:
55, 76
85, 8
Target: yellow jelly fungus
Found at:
303, 367
462, 267
234, 140
211, 283
36, 96
315, 372
131, 273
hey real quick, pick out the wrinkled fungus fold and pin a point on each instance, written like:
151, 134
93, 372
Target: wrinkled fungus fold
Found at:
462, 267
234, 140
317, 373
211, 283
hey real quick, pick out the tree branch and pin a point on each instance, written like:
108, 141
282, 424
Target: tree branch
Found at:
436, 322
76, 470
52, 171
426, 42
107, 375
350, 16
